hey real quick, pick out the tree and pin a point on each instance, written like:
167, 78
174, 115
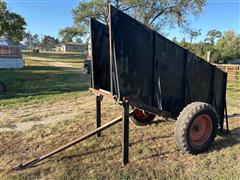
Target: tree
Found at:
156, 14
183, 43
12, 25
31, 41
194, 34
96, 9
216, 56
159, 14
212, 35
229, 46
49, 42
70, 33
174, 39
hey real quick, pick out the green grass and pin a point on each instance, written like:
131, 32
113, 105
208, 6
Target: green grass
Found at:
41, 78
55, 99
233, 97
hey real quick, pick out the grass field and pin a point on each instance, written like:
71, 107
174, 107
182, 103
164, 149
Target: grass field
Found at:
48, 104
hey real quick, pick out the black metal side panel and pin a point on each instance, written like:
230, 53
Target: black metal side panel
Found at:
199, 82
169, 64
158, 74
205, 83
100, 56
133, 55
219, 92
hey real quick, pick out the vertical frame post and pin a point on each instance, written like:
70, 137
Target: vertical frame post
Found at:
98, 114
224, 107
125, 132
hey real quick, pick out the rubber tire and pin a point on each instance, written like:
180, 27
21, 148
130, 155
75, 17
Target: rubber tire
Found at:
142, 122
184, 120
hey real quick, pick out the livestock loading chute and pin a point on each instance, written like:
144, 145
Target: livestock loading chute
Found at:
149, 75
158, 77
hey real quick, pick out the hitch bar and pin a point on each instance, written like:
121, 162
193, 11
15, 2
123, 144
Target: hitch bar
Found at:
70, 144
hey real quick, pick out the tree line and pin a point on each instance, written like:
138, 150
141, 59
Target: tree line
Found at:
223, 47
34, 41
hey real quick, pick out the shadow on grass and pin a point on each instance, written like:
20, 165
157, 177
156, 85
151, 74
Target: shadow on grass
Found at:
235, 115
55, 55
228, 141
163, 120
98, 150
77, 61
42, 80
225, 141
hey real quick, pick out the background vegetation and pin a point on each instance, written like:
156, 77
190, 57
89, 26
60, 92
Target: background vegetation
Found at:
12, 25
223, 46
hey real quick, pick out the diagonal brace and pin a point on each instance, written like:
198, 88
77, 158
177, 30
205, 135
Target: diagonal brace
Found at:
70, 144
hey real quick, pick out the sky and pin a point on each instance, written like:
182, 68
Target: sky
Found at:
47, 17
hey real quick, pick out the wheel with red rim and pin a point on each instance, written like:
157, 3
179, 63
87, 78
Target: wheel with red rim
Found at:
141, 117
196, 127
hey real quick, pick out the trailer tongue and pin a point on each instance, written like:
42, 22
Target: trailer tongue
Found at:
70, 144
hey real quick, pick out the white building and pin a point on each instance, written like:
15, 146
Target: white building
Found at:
71, 47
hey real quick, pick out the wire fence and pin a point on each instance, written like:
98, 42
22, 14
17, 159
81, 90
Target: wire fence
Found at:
10, 51
233, 87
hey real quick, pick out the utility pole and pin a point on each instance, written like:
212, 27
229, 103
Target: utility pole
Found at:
30, 41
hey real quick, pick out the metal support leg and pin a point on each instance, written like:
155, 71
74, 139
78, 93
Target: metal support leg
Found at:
125, 132
98, 114
226, 116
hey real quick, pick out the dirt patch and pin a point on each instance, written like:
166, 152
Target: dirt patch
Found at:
59, 64
25, 126
234, 116
24, 118
55, 64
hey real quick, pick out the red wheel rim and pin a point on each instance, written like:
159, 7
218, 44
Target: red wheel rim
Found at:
200, 130
141, 114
